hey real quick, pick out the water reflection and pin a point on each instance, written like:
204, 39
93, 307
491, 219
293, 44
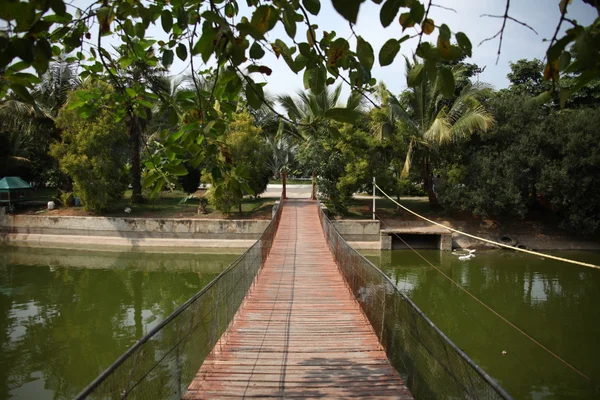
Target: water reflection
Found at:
67, 315
556, 303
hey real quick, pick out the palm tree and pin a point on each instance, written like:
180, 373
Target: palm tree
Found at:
283, 152
432, 121
29, 128
308, 113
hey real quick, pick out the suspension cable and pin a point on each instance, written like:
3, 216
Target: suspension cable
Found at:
535, 253
490, 308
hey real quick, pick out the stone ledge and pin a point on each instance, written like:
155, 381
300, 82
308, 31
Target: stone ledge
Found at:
72, 241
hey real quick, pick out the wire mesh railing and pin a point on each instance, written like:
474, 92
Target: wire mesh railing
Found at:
432, 366
164, 362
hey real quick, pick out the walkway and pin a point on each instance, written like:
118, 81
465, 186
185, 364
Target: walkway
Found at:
300, 332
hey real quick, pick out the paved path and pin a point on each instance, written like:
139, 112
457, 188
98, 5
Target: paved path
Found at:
300, 332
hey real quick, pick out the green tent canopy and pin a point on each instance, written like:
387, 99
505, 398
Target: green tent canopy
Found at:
13, 184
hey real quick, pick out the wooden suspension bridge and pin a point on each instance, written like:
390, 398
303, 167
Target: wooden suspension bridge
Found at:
300, 332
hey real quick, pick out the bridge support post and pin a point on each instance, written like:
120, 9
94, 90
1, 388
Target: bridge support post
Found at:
385, 241
283, 179
373, 198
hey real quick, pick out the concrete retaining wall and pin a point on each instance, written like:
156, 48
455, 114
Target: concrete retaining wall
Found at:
358, 230
133, 227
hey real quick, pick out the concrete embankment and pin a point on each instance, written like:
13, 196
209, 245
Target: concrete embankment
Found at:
165, 233
67, 231
394, 234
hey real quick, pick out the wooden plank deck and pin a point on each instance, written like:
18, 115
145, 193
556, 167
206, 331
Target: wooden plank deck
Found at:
300, 332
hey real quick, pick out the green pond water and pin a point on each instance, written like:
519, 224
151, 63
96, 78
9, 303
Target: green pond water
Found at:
66, 315
558, 304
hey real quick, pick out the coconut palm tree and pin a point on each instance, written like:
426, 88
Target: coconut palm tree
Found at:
308, 113
29, 127
432, 121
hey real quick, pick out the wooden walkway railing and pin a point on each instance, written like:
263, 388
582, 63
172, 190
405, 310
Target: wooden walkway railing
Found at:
300, 332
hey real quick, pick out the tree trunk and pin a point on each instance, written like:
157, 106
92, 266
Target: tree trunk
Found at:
428, 184
136, 173
283, 179
313, 195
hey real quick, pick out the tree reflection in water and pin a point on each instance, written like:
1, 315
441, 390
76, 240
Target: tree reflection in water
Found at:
66, 315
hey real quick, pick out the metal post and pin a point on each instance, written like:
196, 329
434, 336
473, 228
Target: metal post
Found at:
373, 198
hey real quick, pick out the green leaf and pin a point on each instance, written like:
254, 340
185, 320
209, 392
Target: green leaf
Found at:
446, 80
22, 93
445, 33
177, 170
72, 105
415, 75
166, 20
167, 58
557, 48
150, 179
417, 11
388, 52
181, 51
256, 51
254, 94
464, 43
347, 8
312, 6
264, 19
564, 60
58, 6
315, 79
342, 115
365, 53
289, 23
388, 12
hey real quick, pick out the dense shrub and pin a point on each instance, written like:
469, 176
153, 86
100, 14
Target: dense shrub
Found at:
93, 152
535, 158
247, 156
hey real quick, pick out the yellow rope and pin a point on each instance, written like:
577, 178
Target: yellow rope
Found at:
535, 253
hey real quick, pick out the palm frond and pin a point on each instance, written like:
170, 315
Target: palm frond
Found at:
408, 160
471, 120
440, 130
291, 108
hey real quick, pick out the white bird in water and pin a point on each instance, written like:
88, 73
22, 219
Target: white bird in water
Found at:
465, 256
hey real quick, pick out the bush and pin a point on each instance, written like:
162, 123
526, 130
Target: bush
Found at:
247, 161
249, 150
533, 158
93, 152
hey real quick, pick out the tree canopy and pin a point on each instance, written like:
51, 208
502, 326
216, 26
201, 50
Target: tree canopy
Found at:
234, 39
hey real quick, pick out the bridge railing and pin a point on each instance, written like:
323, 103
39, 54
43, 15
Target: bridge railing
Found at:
432, 366
164, 362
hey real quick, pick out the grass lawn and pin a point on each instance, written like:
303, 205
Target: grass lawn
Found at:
167, 206
362, 208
